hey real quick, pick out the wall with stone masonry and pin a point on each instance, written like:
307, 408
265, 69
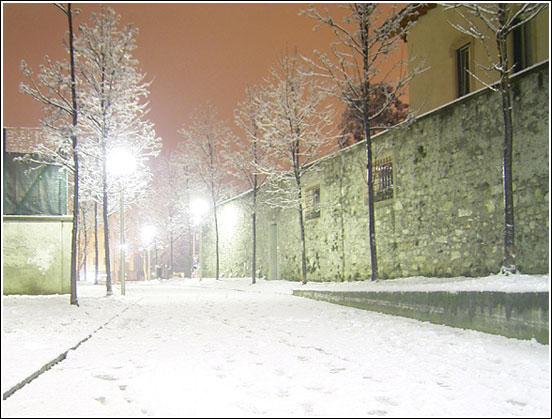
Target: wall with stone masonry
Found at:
446, 214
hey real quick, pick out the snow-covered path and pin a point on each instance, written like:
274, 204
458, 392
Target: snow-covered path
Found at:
179, 349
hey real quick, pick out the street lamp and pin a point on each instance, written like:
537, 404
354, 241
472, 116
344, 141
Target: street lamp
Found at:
198, 209
122, 163
148, 233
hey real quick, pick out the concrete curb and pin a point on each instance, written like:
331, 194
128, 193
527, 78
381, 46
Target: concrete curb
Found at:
515, 315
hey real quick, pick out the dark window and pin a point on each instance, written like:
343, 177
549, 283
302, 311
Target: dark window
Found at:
312, 202
522, 47
463, 70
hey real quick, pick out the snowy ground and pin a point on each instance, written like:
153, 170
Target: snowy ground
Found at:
226, 348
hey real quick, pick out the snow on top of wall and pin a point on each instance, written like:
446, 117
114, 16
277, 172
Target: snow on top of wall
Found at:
503, 283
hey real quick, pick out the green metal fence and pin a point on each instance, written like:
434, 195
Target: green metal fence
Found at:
33, 189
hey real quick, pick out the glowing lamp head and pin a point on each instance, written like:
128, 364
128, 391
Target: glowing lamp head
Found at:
121, 162
148, 234
198, 208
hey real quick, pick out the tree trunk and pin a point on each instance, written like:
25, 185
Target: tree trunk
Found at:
85, 251
96, 246
366, 123
297, 175
79, 250
189, 263
217, 269
254, 233
74, 268
371, 212
509, 262
171, 270
342, 227
190, 256
73, 298
303, 246
109, 289
301, 230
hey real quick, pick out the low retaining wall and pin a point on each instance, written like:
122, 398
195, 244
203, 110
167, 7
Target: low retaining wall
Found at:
36, 254
514, 315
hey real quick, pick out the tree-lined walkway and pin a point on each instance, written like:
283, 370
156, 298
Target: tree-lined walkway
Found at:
183, 350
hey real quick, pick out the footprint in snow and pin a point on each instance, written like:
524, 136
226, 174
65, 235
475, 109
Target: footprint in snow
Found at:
106, 377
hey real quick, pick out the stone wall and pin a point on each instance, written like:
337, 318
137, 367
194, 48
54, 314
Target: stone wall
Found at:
446, 214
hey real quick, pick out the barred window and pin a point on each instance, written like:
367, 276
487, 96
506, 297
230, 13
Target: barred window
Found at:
382, 175
312, 202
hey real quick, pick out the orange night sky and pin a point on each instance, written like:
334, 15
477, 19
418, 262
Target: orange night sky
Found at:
194, 53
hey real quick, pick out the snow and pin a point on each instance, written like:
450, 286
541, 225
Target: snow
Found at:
186, 347
499, 282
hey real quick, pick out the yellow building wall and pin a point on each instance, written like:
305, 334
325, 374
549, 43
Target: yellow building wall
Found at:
434, 41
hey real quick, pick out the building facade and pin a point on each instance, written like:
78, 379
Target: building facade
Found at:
36, 227
455, 63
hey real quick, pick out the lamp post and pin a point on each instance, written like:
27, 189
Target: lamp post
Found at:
148, 233
122, 163
198, 209
123, 259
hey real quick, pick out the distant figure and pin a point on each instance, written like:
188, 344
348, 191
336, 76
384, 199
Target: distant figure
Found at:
195, 267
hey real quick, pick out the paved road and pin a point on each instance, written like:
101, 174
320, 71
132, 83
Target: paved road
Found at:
191, 351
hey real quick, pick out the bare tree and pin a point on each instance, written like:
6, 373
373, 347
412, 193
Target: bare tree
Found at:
351, 124
83, 239
205, 148
359, 64
249, 156
114, 108
90, 192
111, 113
295, 126
168, 209
57, 91
492, 24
